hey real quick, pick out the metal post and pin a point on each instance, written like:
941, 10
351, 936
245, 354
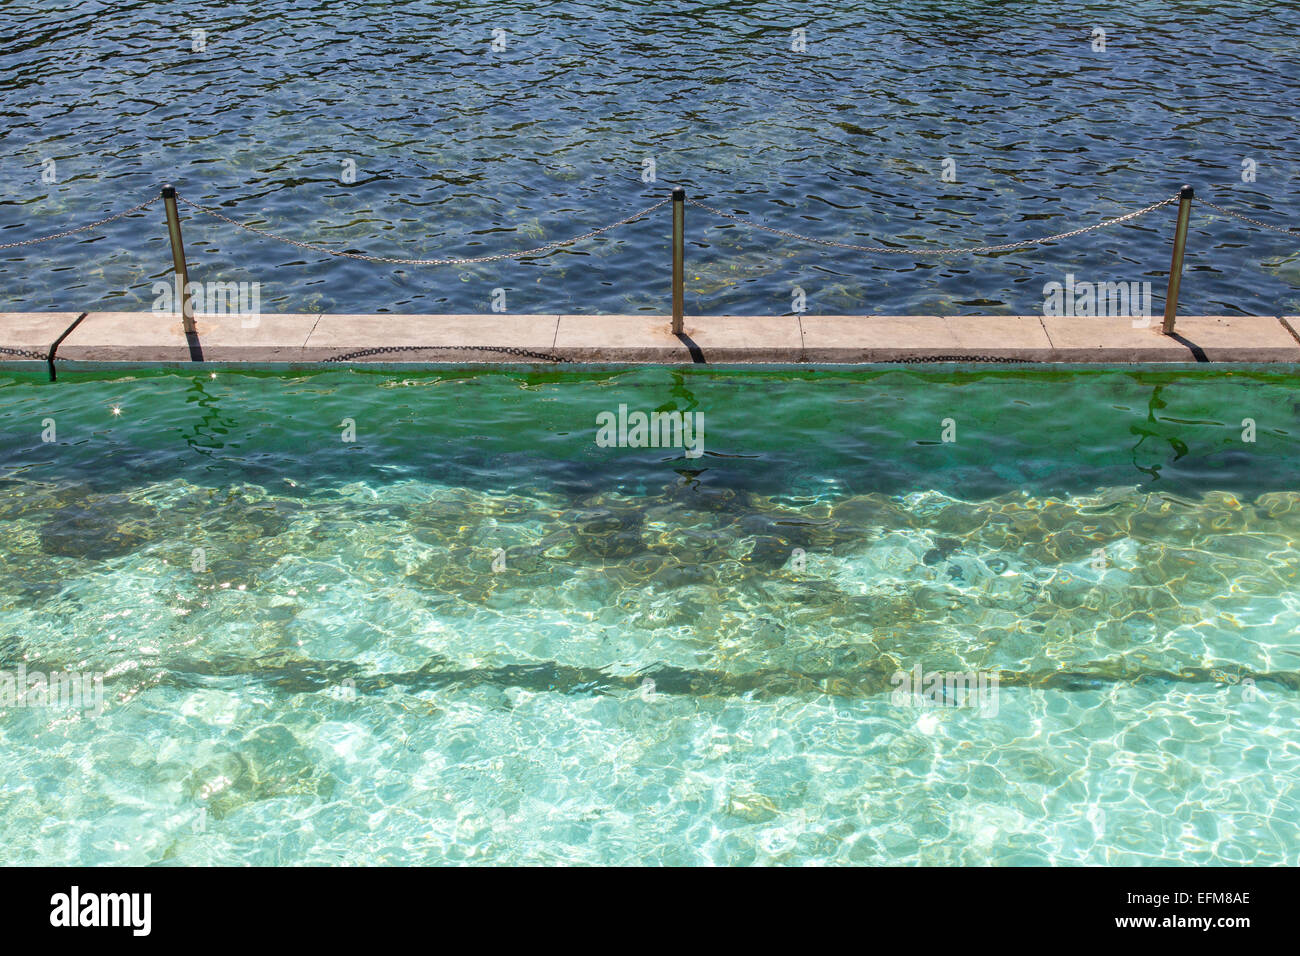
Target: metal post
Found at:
180, 271
679, 256
1176, 267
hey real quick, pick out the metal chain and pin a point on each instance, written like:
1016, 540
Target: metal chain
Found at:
392, 349
60, 235
948, 359
929, 251
550, 246
1254, 222
24, 353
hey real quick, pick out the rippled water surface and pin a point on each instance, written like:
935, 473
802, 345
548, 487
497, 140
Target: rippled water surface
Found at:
460, 150
473, 634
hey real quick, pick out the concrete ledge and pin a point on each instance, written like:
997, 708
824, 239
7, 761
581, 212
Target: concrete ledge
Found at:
853, 339
431, 338
705, 339
857, 339
1196, 338
160, 337
619, 338
1003, 336
1238, 338
149, 337
27, 336
1098, 339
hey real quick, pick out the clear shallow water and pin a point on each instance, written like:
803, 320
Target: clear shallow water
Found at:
462, 151
349, 680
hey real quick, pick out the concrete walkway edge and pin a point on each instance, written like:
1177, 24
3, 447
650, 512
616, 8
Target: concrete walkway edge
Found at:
311, 338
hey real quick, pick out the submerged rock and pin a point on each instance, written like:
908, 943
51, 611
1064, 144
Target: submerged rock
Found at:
943, 548
606, 533
242, 516
269, 763
104, 527
769, 551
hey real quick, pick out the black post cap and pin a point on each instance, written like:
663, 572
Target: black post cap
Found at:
168, 191
679, 194
1186, 193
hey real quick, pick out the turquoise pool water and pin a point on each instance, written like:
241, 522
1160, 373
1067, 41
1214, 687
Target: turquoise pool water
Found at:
474, 634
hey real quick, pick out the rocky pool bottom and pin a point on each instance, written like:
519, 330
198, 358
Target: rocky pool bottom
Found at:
669, 661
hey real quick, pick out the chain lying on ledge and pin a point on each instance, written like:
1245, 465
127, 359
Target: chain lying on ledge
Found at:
982, 359
68, 232
396, 349
24, 353
550, 246
930, 251
1254, 222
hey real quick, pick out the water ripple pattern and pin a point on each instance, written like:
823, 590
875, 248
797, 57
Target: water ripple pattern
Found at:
464, 151
474, 634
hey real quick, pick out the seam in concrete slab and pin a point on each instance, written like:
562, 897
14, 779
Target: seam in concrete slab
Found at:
312, 330
1287, 325
1050, 343
803, 343
556, 337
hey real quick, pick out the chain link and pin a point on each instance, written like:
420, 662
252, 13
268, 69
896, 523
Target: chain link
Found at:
550, 246
395, 349
24, 353
69, 232
929, 251
1254, 222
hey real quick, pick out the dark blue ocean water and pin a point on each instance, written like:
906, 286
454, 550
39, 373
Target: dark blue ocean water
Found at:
463, 150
